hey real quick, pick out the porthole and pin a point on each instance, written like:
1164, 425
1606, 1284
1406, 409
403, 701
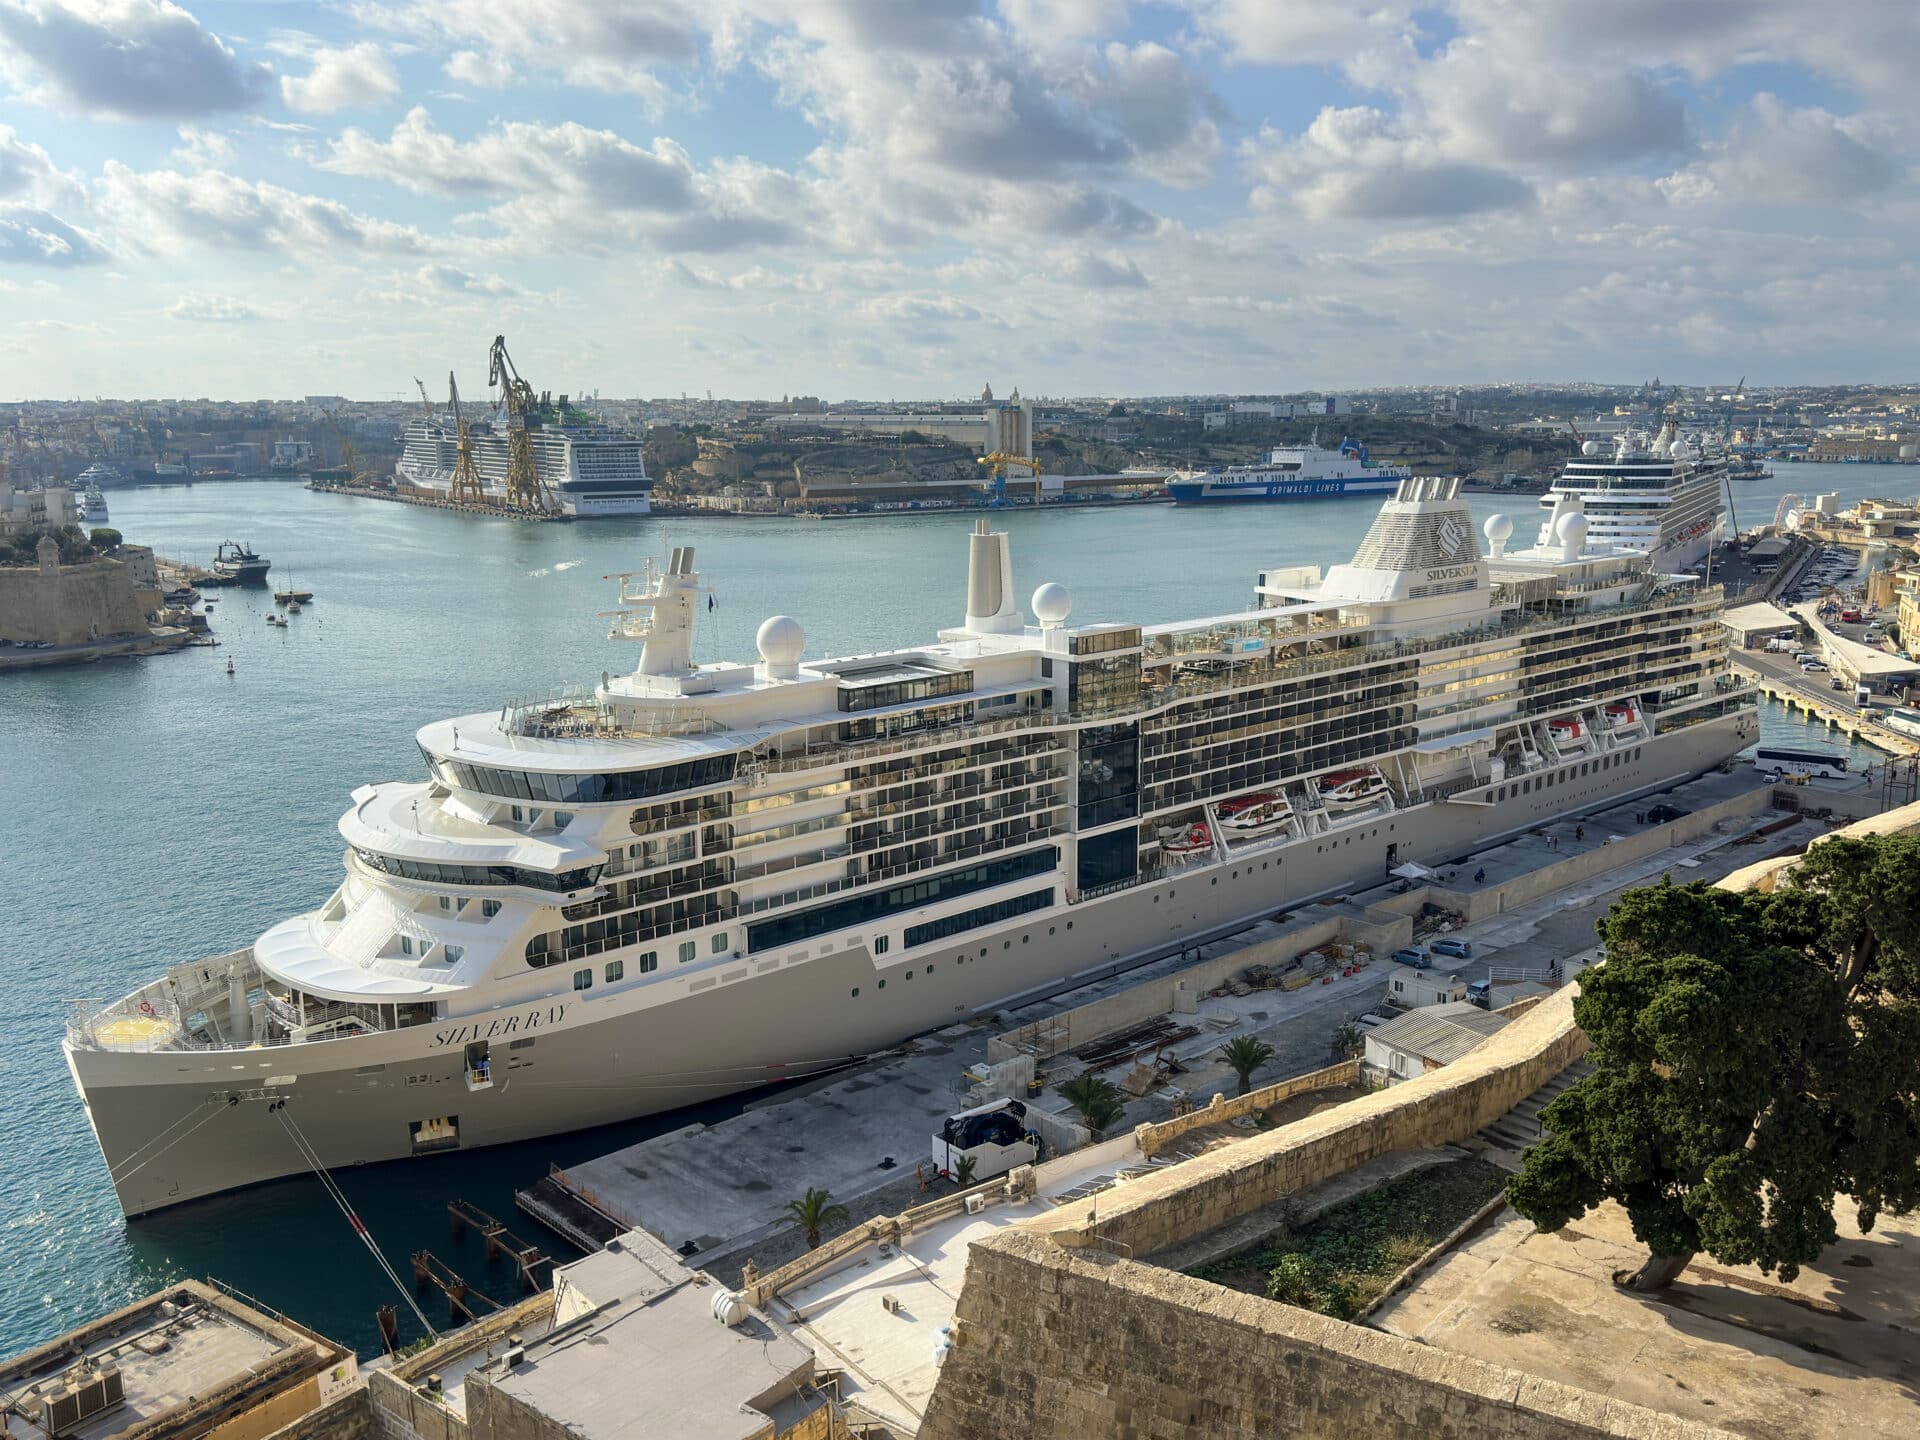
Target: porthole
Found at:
1069, 924
1214, 881
1025, 938
1006, 944
881, 986
855, 992
1049, 929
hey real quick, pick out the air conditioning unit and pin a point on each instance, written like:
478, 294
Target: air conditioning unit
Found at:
976, 1204
88, 1393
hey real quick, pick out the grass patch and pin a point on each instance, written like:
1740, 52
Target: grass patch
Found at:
1341, 1262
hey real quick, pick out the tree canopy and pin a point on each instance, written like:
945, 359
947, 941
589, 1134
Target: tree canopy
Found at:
1754, 1057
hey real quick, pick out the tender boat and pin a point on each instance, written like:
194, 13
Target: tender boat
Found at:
1190, 841
1349, 789
1255, 812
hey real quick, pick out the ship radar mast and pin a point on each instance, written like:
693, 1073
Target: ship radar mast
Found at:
658, 609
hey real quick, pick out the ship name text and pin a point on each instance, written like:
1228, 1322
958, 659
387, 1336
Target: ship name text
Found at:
504, 1025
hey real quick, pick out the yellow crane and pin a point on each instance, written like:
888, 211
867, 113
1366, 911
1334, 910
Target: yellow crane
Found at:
524, 490
1000, 461
466, 488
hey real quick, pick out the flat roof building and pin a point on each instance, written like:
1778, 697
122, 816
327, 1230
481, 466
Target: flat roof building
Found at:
187, 1362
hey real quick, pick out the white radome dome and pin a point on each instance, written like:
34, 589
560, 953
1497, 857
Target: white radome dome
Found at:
1052, 603
1499, 528
1590, 447
1572, 529
780, 640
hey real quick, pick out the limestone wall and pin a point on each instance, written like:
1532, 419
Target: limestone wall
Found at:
1059, 1345
1156, 1138
348, 1418
1442, 1106
74, 604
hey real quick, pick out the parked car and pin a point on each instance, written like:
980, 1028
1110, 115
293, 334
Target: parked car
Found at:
1459, 949
1836, 684
1662, 813
1414, 956
1480, 993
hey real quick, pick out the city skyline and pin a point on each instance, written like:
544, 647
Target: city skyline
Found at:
851, 197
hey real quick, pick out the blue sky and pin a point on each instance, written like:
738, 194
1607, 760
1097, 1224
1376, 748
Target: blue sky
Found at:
881, 198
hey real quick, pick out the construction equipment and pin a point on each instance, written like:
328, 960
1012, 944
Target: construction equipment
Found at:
466, 488
1000, 461
426, 402
524, 490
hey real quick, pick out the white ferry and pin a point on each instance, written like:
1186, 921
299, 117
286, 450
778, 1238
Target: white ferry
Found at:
1305, 472
693, 879
589, 471
1664, 495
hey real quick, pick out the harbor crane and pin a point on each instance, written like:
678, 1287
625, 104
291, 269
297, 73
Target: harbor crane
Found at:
466, 488
524, 490
1000, 461
349, 453
426, 402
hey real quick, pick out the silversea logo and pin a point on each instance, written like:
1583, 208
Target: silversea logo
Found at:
504, 1025
1450, 572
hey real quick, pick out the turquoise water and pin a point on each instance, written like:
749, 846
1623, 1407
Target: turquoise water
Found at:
158, 810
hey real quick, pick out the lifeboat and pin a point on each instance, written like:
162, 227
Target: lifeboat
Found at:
1622, 715
1346, 789
1254, 812
1568, 731
1190, 841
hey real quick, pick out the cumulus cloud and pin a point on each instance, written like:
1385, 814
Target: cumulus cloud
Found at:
341, 79
1111, 270
452, 280
171, 210
138, 59
1359, 163
213, 309
31, 236
1775, 152
200, 147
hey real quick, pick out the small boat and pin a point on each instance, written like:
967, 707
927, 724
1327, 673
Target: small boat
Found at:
1254, 812
1568, 734
1194, 838
293, 607
235, 564
1346, 789
1622, 715
290, 596
229, 665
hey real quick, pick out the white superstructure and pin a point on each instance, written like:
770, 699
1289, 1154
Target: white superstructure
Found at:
694, 878
588, 470
1664, 494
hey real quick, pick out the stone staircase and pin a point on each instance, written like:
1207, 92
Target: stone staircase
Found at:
1520, 1127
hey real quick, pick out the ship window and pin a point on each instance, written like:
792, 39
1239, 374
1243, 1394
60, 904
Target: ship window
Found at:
880, 943
881, 985
583, 979
855, 992
687, 951
446, 902
406, 945
453, 953
489, 908
1046, 669
720, 942
523, 1044
616, 970
649, 962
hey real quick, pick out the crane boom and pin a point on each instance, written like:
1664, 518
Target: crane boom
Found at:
466, 488
524, 490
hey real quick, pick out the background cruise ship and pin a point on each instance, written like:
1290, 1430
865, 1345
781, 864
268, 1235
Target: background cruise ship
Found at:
589, 470
1665, 495
698, 878
1303, 472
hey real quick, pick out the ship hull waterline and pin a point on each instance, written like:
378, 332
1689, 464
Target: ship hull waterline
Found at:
177, 1125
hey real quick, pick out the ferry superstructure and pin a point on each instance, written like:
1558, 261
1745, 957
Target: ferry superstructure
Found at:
696, 878
589, 470
1664, 494
1304, 472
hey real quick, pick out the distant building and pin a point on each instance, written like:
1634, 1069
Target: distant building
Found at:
291, 455
189, 1362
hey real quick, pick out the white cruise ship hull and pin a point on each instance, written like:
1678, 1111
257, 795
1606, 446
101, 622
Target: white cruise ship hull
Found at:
175, 1125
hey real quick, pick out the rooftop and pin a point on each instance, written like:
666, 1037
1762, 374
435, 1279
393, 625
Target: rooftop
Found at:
1440, 1033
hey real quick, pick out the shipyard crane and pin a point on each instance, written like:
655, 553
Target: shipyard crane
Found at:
524, 490
426, 402
1000, 461
466, 488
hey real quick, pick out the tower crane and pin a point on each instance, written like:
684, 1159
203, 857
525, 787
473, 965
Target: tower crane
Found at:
466, 488
524, 490
999, 460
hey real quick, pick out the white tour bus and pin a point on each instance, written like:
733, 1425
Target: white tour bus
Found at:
1785, 760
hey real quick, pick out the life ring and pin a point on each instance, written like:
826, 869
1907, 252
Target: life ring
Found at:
146, 1007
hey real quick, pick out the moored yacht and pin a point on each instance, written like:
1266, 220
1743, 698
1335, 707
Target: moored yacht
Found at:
693, 878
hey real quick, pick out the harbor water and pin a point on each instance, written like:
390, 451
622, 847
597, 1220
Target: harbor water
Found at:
160, 810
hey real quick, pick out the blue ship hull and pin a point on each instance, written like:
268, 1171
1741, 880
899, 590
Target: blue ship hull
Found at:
1202, 491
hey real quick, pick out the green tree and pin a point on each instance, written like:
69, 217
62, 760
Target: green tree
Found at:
1755, 1056
104, 538
963, 1169
1244, 1055
814, 1211
1348, 1039
1096, 1098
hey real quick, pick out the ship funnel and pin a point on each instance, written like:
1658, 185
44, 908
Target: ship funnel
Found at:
990, 607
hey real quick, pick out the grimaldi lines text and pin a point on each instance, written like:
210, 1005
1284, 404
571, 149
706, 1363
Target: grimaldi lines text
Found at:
693, 878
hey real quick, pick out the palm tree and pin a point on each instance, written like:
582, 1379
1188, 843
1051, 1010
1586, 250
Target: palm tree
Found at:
963, 1169
1347, 1039
1244, 1056
814, 1211
1096, 1098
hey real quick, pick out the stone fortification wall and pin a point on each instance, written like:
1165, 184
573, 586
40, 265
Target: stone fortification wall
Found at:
70, 605
1053, 1344
348, 1418
1437, 1108
1155, 1138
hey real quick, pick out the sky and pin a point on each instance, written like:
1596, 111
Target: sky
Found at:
911, 198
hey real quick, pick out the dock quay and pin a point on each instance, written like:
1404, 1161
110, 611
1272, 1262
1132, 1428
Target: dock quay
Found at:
436, 501
1836, 717
719, 1192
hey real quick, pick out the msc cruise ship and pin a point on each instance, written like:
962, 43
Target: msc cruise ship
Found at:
696, 878
1664, 495
589, 470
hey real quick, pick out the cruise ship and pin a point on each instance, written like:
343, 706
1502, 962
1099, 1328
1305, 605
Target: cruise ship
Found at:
1664, 495
691, 879
1305, 472
589, 470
